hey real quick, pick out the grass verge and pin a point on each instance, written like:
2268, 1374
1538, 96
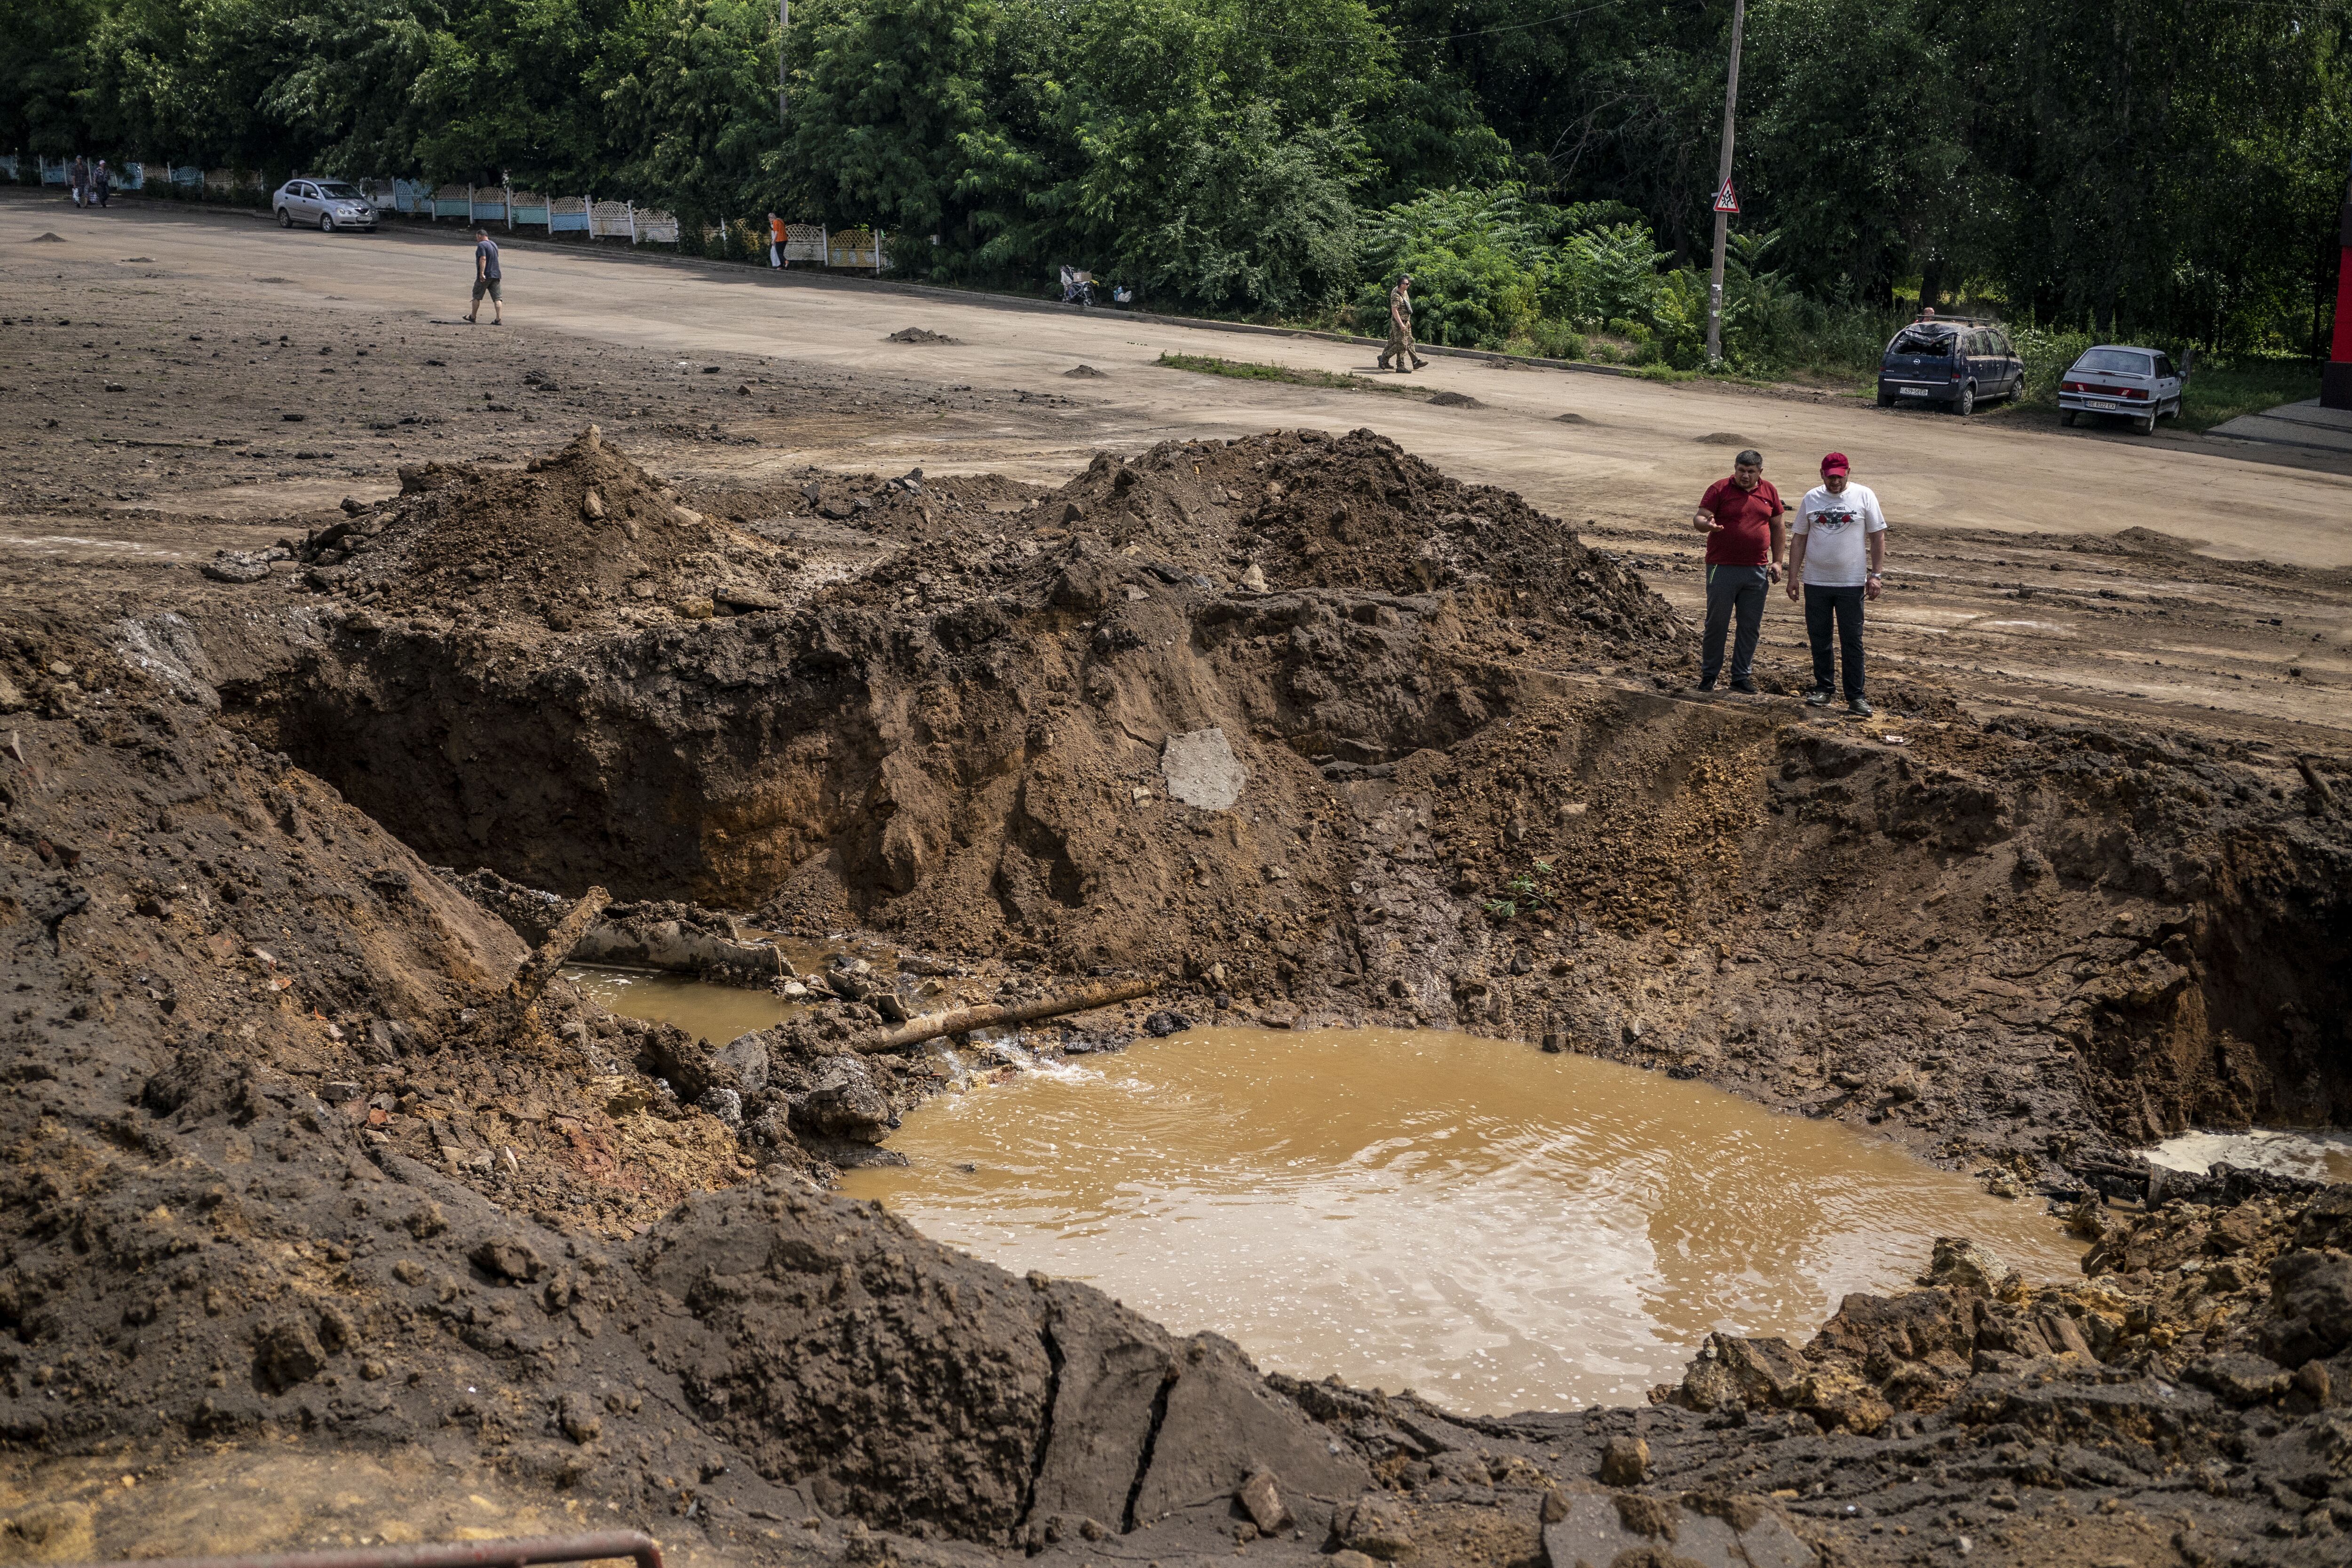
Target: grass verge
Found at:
1249, 370
2219, 391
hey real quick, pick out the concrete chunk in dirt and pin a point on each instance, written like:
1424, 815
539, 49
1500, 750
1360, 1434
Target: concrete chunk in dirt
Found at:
236, 567
746, 1055
1202, 770
1262, 1500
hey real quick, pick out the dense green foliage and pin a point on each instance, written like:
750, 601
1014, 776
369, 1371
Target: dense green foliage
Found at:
2168, 168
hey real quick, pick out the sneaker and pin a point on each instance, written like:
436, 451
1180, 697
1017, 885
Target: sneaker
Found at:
1818, 696
1743, 685
1859, 708
1704, 686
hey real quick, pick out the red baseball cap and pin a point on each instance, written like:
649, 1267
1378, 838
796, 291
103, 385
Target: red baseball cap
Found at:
1835, 463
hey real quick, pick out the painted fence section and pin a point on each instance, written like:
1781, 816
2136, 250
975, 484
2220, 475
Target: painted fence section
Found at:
612, 220
855, 247
860, 247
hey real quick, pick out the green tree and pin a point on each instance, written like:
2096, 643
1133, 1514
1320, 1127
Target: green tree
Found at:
689, 102
190, 79
886, 98
344, 87
503, 93
44, 66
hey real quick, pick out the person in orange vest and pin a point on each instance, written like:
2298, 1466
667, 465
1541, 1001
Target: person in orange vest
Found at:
776, 240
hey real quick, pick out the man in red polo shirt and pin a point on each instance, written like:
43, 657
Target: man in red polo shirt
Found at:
1746, 541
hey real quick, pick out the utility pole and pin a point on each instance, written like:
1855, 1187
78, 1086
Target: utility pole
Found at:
784, 53
1722, 181
2335, 381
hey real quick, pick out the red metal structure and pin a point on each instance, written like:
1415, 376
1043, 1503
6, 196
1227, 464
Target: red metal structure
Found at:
2335, 381
519, 1552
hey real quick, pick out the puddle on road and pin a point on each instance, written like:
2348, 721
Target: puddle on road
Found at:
2317, 1156
1498, 1228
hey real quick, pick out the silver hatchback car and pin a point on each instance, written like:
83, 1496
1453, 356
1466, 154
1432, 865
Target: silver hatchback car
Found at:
323, 205
2140, 384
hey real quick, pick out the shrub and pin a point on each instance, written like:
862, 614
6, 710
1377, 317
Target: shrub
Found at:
1472, 257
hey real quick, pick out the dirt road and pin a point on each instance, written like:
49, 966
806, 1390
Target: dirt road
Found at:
265, 371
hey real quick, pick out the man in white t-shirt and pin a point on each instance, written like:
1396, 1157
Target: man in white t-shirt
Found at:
1836, 547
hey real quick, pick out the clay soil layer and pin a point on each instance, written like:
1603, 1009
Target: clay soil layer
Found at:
695, 590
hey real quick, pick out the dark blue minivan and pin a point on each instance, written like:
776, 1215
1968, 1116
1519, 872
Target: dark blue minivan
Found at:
1956, 363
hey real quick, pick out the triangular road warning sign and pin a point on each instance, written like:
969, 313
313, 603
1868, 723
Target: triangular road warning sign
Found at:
1726, 200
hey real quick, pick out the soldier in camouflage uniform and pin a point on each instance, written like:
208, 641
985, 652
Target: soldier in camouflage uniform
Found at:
1401, 347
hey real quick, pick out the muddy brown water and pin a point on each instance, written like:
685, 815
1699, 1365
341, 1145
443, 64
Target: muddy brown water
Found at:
716, 1012
1497, 1228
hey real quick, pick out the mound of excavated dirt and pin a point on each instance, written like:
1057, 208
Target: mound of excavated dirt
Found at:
1084, 373
919, 335
1723, 438
572, 536
1454, 400
1311, 510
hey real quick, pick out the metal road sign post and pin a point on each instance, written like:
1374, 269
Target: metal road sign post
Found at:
1723, 189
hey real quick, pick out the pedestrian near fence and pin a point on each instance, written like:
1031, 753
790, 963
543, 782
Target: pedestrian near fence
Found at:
776, 240
1742, 519
1839, 548
77, 179
487, 278
101, 182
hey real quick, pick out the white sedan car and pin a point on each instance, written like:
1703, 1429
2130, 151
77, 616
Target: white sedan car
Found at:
2140, 385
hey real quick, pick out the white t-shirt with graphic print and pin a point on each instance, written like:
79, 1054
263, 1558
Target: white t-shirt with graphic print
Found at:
1834, 528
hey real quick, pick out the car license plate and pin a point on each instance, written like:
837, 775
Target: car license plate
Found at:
1912, 390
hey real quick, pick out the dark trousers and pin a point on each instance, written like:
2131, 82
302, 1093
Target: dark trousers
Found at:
1733, 590
1845, 606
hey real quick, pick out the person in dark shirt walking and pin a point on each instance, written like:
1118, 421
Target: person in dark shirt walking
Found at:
485, 277
1745, 540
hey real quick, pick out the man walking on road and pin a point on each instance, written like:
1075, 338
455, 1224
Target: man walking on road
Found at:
1741, 518
485, 277
1838, 525
78, 177
1401, 347
776, 240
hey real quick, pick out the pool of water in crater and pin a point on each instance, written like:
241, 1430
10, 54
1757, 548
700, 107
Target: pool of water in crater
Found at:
1498, 1228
